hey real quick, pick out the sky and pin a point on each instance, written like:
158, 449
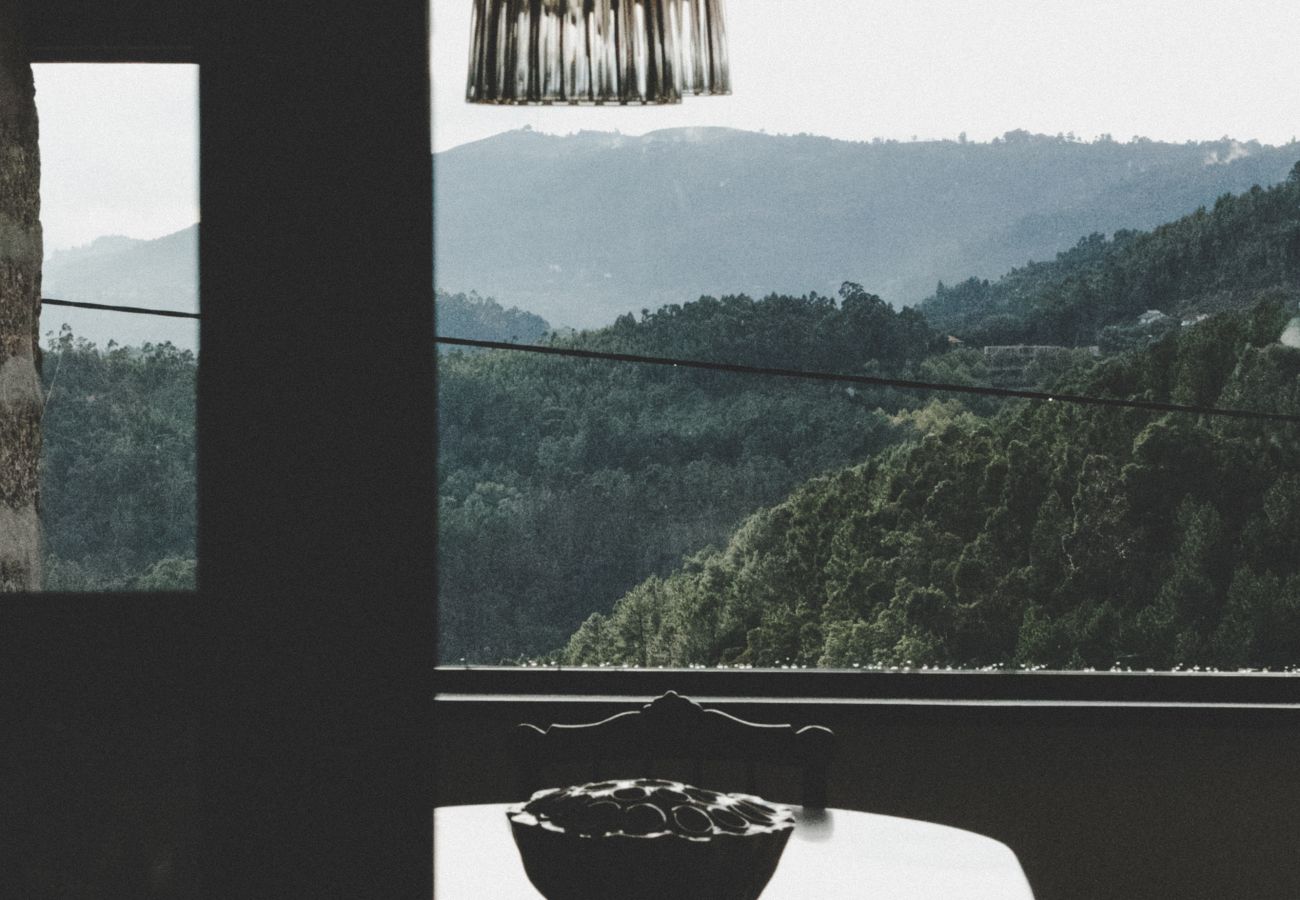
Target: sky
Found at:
859, 69
119, 143
119, 151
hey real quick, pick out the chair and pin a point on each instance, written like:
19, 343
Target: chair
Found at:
674, 737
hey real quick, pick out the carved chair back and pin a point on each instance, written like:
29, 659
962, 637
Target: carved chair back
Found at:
674, 737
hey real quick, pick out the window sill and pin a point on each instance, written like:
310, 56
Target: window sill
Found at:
912, 687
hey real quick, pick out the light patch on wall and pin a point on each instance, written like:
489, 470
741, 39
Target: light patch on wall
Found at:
1291, 334
20, 537
19, 383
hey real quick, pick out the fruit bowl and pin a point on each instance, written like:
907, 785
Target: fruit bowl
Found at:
648, 839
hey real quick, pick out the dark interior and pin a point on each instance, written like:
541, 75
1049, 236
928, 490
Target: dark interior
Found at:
275, 734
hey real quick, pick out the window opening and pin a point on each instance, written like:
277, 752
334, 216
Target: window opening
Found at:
119, 335
1082, 461
1104, 481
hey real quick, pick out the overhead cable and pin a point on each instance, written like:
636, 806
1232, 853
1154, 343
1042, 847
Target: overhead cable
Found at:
876, 381
805, 374
142, 310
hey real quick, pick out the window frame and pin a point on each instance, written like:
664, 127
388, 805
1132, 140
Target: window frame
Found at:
1056, 688
300, 662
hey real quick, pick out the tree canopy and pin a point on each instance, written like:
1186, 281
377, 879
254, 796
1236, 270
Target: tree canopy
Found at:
117, 474
1209, 261
565, 482
1048, 534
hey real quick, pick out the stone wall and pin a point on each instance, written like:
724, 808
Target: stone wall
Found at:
20, 305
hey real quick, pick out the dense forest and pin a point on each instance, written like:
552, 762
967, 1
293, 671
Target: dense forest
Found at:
564, 534
564, 482
117, 473
1049, 534
1043, 534
118, 468
1209, 261
602, 513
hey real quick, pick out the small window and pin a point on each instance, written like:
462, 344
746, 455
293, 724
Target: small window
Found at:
119, 186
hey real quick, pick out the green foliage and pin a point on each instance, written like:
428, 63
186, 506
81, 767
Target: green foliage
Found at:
117, 472
1094, 293
169, 574
859, 334
564, 483
1045, 535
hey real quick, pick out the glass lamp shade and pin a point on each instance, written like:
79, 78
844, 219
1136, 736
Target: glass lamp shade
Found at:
596, 51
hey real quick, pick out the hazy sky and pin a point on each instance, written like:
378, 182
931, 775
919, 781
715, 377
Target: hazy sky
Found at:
119, 142
119, 151
858, 69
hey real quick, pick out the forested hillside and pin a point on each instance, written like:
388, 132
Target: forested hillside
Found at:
117, 471
1032, 535
857, 525
1046, 535
1209, 261
1018, 533
565, 482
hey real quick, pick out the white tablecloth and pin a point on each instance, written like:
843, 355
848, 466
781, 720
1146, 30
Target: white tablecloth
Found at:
834, 854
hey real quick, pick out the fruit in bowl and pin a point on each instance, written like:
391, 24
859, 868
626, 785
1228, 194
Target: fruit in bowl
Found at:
648, 839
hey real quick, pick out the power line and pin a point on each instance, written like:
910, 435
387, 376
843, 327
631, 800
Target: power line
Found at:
805, 374
875, 381
142, 310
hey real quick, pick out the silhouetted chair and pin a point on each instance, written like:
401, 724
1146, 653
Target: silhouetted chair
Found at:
674, 737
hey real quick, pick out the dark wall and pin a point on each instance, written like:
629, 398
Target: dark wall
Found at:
278, 724
316, 459
126, 31
98, 773
1097, 803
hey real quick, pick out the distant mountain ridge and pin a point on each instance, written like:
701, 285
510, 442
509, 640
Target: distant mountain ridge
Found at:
582, 228
163, 274
121, 271
483, 319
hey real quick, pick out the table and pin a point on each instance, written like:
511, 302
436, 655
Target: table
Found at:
834, 854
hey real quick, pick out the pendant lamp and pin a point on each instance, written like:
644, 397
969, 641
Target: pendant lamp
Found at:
596, 51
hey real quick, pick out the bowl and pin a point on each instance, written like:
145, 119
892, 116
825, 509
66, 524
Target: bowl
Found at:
648, 839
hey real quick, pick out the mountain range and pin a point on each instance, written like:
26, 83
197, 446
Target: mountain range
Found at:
120, 271
581, 228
